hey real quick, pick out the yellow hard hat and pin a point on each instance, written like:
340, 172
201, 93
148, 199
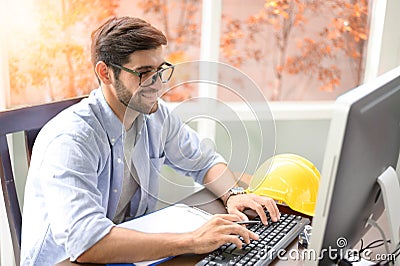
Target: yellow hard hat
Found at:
289, 179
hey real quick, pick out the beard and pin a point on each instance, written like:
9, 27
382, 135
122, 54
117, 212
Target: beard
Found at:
143, 101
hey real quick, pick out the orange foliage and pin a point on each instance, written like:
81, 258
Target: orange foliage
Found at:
316, 55
183, 91
56, 63
178, 19
181, 28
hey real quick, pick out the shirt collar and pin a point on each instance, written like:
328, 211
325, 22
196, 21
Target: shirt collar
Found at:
111, 122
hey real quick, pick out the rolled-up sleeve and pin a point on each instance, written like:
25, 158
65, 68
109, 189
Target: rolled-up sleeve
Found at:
69, 174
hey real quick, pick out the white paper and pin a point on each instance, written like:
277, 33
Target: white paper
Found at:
178, 218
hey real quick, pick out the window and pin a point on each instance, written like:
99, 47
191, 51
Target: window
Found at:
297, 50
49, 43
292, 49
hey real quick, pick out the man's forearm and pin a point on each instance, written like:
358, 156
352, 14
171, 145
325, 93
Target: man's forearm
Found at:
219, 179
123, 245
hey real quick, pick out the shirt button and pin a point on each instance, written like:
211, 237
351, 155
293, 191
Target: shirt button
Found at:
115, 190
112, 140
119, 160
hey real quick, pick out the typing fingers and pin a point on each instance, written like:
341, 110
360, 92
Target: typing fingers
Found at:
258, 207
271, 206
227, 225
232, 232
220, 229
234, 239
273, 210
241, 215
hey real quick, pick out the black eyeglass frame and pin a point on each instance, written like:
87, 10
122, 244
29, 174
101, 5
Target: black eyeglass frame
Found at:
157, 73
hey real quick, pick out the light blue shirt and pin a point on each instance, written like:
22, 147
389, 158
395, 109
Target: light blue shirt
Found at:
76, 173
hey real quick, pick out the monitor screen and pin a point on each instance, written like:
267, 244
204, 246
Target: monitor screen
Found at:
363, 141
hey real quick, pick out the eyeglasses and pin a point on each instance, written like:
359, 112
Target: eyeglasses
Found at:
148, 78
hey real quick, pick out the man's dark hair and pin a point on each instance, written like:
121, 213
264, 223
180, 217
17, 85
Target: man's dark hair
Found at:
118, 38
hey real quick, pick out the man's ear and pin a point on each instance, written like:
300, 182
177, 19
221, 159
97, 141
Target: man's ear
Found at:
103, 72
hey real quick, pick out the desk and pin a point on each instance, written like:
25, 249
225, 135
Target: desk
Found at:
214, 206
210, 205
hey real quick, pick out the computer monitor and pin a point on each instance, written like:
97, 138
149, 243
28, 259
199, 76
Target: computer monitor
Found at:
363, 141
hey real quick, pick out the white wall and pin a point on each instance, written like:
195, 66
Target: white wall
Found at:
390, 50
383, 52
301, 128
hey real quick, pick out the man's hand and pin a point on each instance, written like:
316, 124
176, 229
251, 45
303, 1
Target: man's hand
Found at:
220, 229
238, 203
219, 179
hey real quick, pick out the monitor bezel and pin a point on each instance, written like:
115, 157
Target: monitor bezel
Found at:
333, 152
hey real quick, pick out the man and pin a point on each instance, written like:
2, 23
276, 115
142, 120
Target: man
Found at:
84, 179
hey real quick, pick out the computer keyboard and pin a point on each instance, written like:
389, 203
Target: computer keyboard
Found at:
274, 237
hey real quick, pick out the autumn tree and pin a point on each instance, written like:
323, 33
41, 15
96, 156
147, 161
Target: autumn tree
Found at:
58, 59
349, 32
180, 24
315, 56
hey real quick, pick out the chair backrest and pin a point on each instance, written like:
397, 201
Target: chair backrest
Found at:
28, 120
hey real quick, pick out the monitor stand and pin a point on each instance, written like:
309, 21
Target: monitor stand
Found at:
390, 186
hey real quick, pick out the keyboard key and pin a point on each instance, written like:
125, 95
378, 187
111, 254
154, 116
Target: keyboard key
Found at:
239, 252
202, 262
231, 248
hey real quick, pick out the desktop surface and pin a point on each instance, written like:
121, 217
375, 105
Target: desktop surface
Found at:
212, 206
215, 206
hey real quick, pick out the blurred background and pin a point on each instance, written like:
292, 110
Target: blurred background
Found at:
294, 50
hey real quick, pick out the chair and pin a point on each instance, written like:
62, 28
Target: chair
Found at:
28, 120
